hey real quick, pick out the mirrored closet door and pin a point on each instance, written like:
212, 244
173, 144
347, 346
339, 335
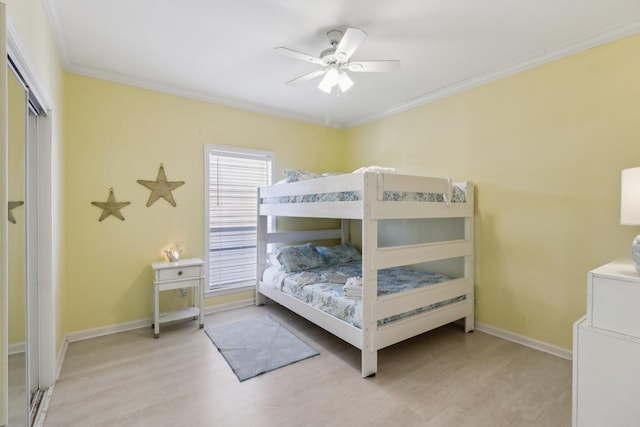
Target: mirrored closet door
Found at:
23, 353
17, 235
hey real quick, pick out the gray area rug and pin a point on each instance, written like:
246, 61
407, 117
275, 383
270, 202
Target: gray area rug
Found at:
255, 346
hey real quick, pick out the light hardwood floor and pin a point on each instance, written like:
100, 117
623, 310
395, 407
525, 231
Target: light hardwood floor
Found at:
441, 378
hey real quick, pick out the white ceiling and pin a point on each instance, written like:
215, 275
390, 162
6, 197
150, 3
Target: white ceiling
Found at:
222, 51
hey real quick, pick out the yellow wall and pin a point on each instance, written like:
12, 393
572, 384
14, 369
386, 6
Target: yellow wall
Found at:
117, 134
545, 148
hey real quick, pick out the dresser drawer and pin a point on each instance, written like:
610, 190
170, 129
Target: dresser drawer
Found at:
178, 272
605, 381
613, 304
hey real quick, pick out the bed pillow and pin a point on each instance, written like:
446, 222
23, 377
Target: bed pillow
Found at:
457, 195
272, 257
339, 254
299, 258
295, 175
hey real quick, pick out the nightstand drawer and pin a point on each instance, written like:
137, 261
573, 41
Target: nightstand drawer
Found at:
612, 304
179, 273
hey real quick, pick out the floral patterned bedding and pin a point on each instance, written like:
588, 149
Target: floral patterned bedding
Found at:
330, 297
457, 196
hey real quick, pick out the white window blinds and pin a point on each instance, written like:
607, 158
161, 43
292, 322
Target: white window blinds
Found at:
233, 178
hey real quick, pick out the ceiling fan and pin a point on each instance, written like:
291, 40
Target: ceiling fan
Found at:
336, 61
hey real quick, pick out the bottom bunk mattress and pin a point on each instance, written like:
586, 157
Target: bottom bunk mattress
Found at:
324, 288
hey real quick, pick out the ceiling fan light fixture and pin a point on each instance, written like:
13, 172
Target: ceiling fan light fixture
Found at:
325, 88
336, 61
329, 80
344, 81
332, 77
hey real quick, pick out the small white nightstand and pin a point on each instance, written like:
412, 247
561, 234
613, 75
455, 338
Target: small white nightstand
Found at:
185, 273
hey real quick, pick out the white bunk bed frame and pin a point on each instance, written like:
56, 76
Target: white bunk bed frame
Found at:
371, 208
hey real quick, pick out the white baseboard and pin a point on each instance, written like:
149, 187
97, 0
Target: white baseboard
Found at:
108, 330
526, 341
60, 359
16, 348
146, 323
229, 306
137, 324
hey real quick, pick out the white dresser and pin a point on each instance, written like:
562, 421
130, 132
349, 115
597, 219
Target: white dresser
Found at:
185, 273
606, 349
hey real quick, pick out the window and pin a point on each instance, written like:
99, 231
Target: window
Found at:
232, 176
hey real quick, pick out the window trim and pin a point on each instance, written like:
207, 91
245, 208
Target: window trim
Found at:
239, 152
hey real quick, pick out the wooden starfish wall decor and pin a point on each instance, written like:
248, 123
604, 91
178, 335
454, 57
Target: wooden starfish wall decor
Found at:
13, 205
111, 207
161, 188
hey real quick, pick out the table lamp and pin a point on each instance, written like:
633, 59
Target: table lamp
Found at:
630, 208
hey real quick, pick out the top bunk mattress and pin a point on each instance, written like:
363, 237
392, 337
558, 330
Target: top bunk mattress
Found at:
308, 187
457, 196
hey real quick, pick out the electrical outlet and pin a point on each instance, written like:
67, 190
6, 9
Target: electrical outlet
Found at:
183, 292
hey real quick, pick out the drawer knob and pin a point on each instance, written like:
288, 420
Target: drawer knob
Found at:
180, 273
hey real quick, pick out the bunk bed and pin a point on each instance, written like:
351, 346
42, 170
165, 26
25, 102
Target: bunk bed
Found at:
372, 198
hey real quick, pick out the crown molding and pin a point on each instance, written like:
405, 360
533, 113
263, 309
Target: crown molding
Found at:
529, 63
172, 90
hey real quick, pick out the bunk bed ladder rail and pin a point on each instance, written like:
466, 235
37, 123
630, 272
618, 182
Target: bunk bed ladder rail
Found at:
369, 355
469, 261
261, 252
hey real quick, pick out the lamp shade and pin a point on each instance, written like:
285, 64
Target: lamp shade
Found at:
630, 197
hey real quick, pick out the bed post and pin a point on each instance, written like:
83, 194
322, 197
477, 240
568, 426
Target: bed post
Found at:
469, 267
344, 230
369, 278
261, 251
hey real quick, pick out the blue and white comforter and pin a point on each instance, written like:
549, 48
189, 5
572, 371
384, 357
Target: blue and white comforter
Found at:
330, 298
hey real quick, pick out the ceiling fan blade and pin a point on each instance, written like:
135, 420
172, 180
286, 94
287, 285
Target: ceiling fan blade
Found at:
299, 55
373, 66
351, 40
307, 77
